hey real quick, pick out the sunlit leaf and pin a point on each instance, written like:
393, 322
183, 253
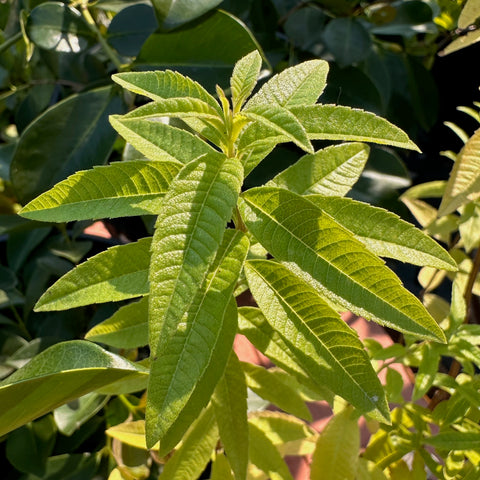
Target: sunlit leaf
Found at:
244, 78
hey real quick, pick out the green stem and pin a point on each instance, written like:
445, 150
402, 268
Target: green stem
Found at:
10, 41
106, 47
21, 323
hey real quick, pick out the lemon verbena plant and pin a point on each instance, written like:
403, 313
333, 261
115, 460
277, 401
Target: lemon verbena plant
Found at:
304, 250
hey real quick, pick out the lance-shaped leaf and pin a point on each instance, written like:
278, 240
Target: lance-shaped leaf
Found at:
187, 317
324, 345
283, 122
331, 171
335, 122
385, 233
126, 328
230, 406
118, 273
164, 84
121, 189
244, 78
78, 366
463, 185
189, 461
253, 324
298, 85
453, 440
299, 233
159, 141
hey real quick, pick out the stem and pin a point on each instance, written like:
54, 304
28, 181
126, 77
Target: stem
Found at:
21, 323
10, 41
106, 47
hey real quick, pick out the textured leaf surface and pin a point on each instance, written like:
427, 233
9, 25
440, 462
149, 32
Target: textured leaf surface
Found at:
121, 189
164, 84
282, 121
327, 348
298, 85
230, 406
464, 182
297, 232
455, 440
244, 78
336, 455
385, 233
189, 461
126, 328
193, 319
331, 171
335, 122
118, 273
78, 366
159, 141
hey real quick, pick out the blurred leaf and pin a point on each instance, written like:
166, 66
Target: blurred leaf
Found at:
347, 40
69, 467
70, 136
59, 27
462, 42
130, 433
394, 386
469, 14
205, 50
129, 29
21, 244
454, 440
305, 26
221, 468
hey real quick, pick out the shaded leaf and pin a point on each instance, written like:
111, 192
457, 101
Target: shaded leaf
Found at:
121, 189
173, 13
297, 232
78, 366
118, 273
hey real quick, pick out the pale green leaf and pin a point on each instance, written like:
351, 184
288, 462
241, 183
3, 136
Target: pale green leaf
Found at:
56, 376
269, 385
230, 406
438, 307
385, 233
462, 42
221, 468
459, 132
244, 78
298, 85
118, 273
423, 212
463, 185
297, 232
331, 171
190, 340
428, 368
121, 189
336, 455
323, 344
453, 440
159, 141
335, 122
470, 226
253, 324
126, 328
189, 461
163, 84
434, 189
280, 120
367, 470
469, 14
130, 433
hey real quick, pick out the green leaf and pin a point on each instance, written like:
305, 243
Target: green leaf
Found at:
78, 366
385, 233
326, 348
121, 189
453, 440
118, 273
161, 85
174, 13
189, 322
126, 328
244, 78
428, 368
336, 454
189, 461
230, 406
205, 50
347, 40
331, 171
279, 119
469, 14
44, 157
160, 142
130, 433
335, 122
462, 42
59, 27
463, 184
367, 470
298, 85
221, 468
297, 232
269, 385
253, 324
